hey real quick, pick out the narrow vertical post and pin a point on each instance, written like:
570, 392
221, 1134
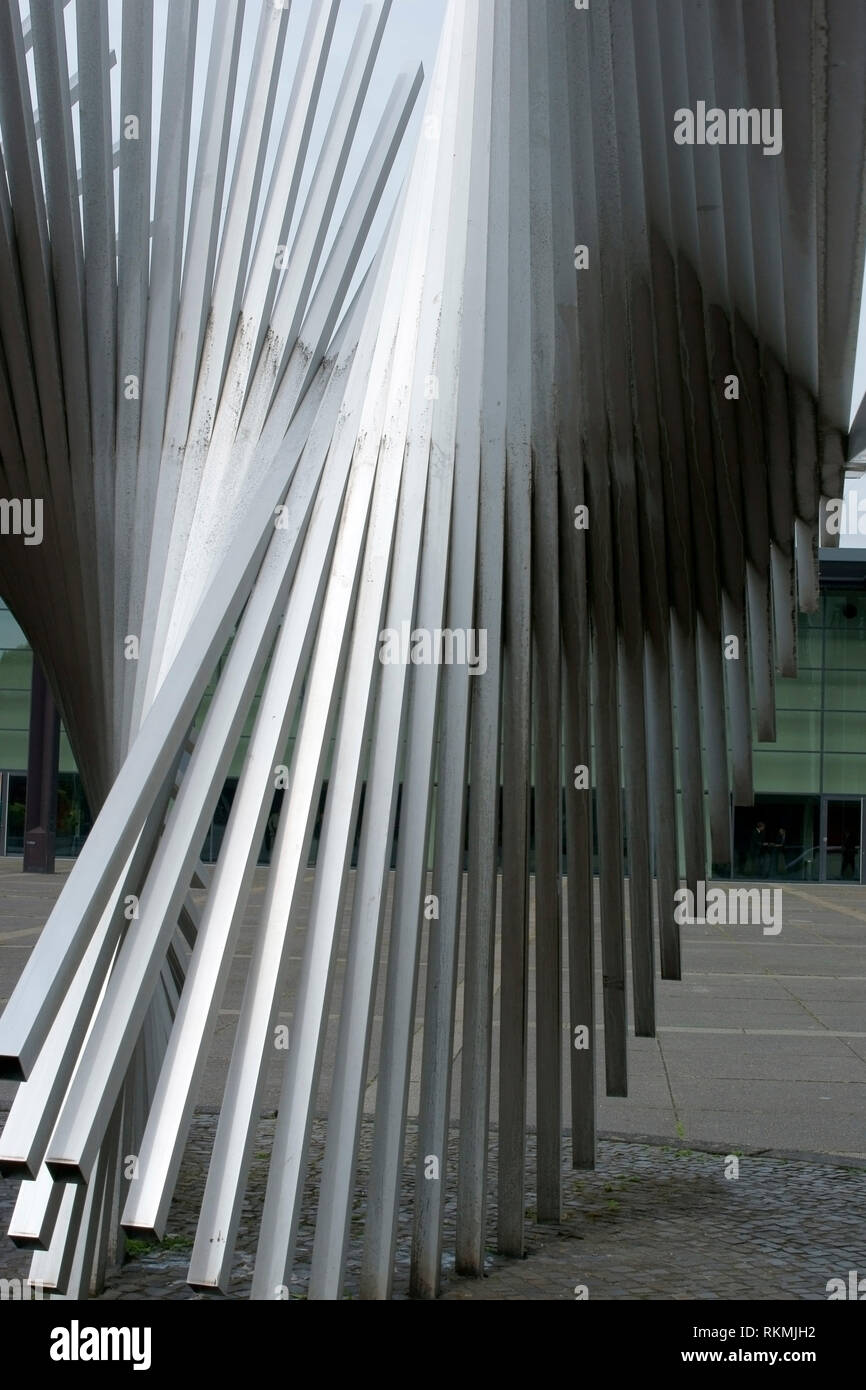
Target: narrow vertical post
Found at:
43, 759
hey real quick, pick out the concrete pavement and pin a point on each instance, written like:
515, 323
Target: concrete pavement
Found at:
762, 1043
760, 1053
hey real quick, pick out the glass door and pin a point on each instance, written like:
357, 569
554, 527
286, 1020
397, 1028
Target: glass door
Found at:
841, 840
16, 800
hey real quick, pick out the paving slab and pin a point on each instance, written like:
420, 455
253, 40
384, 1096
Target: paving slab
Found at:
761, 1049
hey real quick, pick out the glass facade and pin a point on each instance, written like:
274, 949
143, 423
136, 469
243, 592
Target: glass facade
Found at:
820, 743
16, 667
810, 784
73, 816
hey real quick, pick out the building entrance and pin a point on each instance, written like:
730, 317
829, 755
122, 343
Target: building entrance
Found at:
841, 839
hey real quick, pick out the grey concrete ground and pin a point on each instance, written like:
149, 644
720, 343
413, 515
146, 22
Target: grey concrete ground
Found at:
762, 1042
761, 1050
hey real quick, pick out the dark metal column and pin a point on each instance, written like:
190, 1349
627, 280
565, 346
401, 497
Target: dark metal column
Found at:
43, 758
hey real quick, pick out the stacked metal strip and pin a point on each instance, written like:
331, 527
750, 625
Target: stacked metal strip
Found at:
585, 406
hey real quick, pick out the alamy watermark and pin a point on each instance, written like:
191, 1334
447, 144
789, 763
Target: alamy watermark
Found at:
22, 516
718, 907
420, 646
21, 1290
738, 126
846, 516
854, 1288
77, 1343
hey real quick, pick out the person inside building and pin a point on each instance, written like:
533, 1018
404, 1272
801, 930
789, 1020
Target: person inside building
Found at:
756, 849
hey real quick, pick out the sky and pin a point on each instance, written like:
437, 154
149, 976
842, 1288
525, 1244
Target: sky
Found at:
411, 37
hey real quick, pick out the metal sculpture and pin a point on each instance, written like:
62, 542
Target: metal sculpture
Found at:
585, 403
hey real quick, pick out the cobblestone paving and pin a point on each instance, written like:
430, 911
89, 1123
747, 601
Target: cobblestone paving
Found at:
650, 1222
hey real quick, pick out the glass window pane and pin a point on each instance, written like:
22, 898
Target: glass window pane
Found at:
812, 620
809, 646
202, 711
251, 717
786, 772
240, 754
845, 612
845, 733
842, 843
845, 690
777, 839
845, 651
804, 692
16, 669
15, 815
73, 815
845, 772
67, 761
10, 633
15, 709
797, 729
13, 749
